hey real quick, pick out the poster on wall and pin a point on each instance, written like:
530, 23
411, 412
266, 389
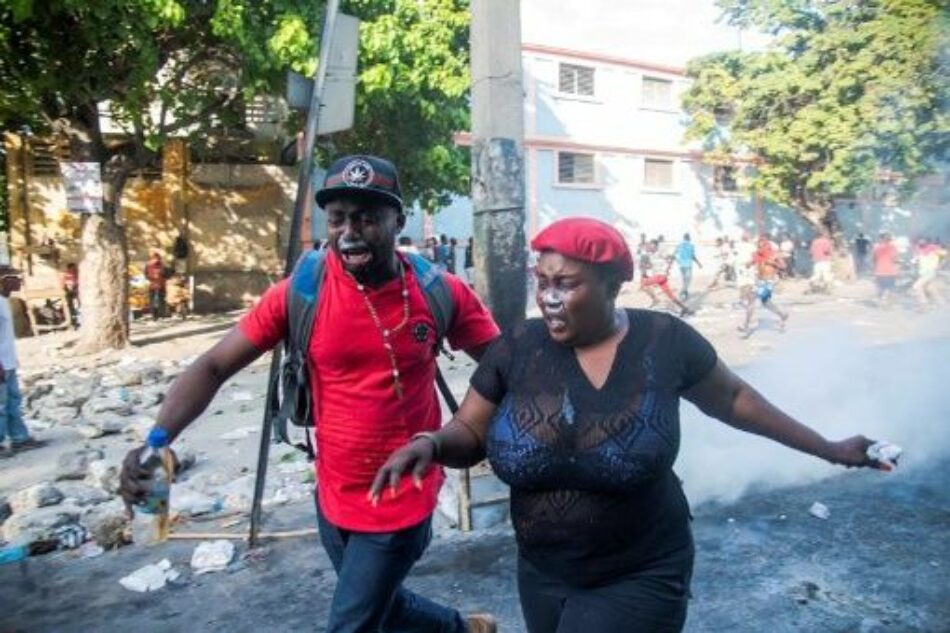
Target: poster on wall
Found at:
83, 185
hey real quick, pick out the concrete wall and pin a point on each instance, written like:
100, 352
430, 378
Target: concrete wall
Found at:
235, 217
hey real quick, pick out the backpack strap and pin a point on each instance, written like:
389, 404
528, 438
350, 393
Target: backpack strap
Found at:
442, 306
437, 293
293, 398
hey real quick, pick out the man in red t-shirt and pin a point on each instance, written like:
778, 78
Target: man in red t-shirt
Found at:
885, 267
155, 273
372, 360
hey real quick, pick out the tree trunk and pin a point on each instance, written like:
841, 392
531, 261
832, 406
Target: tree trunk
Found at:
103, 287
103, 268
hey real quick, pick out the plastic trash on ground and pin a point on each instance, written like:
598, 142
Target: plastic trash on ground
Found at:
819, 510
150, 577
212, 556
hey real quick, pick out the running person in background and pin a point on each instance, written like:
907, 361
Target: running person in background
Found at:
822, 277
685, 255
656, 273
929, 257
767, 263
884, 258
726, 256
787, 248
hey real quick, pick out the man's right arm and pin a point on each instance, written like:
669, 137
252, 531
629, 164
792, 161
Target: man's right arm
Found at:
194, 389
188, 396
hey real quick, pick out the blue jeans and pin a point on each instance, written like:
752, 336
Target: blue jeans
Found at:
370, 569
11, 420
687, 273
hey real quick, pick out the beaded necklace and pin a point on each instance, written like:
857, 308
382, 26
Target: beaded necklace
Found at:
387, 333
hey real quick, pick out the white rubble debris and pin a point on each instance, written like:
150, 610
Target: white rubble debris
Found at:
150, 577
238, 433
90, 549
108, 524
33, 497
83, 494
188, 502
242, 396
75, 464
104, 475
40, 524
819, 510
211, 556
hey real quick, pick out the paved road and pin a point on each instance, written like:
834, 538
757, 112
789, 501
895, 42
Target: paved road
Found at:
881, 562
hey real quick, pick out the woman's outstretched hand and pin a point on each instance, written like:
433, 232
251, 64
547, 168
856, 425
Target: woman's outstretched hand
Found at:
415, 457
853, 453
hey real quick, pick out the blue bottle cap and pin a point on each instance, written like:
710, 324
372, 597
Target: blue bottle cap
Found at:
157, 437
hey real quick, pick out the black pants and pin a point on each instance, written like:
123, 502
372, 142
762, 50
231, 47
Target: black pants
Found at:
156, 303
72, 307
650, 600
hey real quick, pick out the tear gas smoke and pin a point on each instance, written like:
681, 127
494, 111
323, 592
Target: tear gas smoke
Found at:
839, 385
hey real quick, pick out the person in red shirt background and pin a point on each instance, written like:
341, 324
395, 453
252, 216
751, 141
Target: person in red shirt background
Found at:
372, 366
69, 282
767, 262
155, 273
822, 275
885, 267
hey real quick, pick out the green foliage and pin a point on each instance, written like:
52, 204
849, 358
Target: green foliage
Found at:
848, 89
173, 67
413, 94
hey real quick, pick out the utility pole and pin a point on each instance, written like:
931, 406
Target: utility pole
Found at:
293, 250
498, 159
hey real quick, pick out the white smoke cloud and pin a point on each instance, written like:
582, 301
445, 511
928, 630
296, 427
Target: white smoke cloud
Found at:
839, 385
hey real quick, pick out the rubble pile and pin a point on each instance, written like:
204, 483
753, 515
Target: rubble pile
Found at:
80, 507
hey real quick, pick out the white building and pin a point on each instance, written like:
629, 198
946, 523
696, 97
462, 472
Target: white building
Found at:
604, 127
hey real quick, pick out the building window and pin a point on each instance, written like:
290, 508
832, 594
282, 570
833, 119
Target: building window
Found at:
658, 174
576, 80
725, 179
575, 169
657, 94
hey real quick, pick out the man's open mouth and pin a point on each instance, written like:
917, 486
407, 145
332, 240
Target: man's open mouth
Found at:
356, 256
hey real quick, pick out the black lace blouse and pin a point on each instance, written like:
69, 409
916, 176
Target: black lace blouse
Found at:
593, 494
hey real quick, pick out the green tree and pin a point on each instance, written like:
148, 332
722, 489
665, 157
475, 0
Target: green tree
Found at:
163, 68
846, 91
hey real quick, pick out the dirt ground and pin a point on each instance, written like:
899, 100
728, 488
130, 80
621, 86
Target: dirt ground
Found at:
878, 563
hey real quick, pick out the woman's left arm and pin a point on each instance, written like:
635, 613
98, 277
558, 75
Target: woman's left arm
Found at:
725, 396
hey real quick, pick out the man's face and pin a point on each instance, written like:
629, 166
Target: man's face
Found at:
363, 233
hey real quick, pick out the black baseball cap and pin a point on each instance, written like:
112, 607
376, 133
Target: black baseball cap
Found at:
361, 176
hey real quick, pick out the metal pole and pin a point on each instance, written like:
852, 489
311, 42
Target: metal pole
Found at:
293, 249
498, 188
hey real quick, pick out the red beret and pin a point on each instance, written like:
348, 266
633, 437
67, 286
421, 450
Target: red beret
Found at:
587, 240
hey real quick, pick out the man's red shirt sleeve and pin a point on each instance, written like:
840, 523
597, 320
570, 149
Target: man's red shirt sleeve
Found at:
266, 324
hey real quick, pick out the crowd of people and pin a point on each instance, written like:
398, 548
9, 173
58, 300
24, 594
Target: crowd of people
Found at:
756, 268
443, 251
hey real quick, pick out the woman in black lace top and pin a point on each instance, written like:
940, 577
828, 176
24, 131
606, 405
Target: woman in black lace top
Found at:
579, 413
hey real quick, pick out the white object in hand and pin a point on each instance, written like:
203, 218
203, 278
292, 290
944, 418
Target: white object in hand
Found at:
885, 452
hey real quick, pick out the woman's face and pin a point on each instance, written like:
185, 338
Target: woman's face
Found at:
574, 301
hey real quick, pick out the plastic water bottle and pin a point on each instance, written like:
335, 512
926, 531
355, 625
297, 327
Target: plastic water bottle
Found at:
151, 518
